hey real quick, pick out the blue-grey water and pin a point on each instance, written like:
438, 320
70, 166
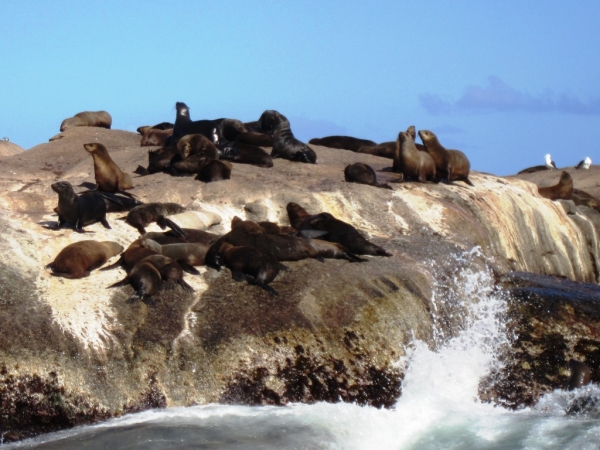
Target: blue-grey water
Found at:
439, 408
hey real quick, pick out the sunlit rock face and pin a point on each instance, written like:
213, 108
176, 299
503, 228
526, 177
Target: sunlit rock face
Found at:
72, 351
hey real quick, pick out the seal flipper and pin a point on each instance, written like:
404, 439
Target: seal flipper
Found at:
384, 186
466, 180
184, 285
267, 288
188, 267
119, 263
238, 275
172, 225
123, 282
104, 223
141, 171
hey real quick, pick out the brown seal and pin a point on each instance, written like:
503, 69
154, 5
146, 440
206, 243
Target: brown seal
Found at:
158, 126
230, 129
184, 125
191, 235
158, 161
275, 228
342, 142
325, 226
197, 144
186, 254
131, 256
155, 137
453, 165
363, 174
563, 190
100, 119
385, 150
143, 215
411, 162
413, 133
109, 177
250, 264
286, 146
79, 210
215, 170
242, 153
77, 260
151, 274
580, 374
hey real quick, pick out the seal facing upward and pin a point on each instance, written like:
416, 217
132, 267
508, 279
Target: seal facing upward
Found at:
109, 177
563, 190
452, 165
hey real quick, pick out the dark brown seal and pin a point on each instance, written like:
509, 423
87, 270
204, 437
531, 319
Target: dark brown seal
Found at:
187, 255
197, 144
100, 119
215, 170
250, 264
158, 126
155, 137
453, 165
412, 163
77, 260
247, 154
363, 174
385, 149
131, 256
413, 133
325, 226
580, 374
184, 125
342, 142
143, 215
286, 146
79, 210
158, 161
109, 177
256, 138
191, 235
563, 190
230, 129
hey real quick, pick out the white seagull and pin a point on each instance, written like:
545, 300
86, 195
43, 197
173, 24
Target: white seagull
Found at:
585, 164
549, 163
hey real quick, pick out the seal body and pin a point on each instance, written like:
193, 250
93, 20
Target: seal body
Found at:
155, 137
143, 215
286, 146
215, 170
563, 190
363, 174
580, 374
247, 154
109, 177
327, 227
191, 236
453, 165
385, 150
197, 144
411, 162
77, 260
342, 142
79, 210
230, 129
184, 125
100, 119
186, 254
158, 161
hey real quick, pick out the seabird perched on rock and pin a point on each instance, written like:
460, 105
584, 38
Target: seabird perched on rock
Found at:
5, 139
585, 164
549, 163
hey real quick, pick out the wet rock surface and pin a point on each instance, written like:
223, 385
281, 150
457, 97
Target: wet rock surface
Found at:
72, 351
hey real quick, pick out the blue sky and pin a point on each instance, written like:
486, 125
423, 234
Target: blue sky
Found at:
504, 81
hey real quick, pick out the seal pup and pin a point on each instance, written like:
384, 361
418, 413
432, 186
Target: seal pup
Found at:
342, 142
580, 375
250, 264
214, 170
411, 162
563, 190
325, 226
109, 177
453, 165
78, 210
100, 119
549, 163
584, 164
77, 260
143, 215
286, 146
385, 150
184, 125
363, 174
242, 153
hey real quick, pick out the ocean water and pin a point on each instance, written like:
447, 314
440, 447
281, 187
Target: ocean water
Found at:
439, 408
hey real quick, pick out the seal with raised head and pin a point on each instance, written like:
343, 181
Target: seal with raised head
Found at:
143, 215
563, 190
215, 170
77, 260
342, 142
325, 226
79, 210
286, 146
363, 174
250, 264
184, 125
412, 163
453, 165
109, 177
100, 119
246, 154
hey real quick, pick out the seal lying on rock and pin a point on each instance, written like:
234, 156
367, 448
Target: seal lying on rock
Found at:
154, 137
453, 165
363, 174
100, 119
385, 149
327, 227
77, 260
78, 210
563, 190
250, 264
246, 154
186, 254
143, 215
191, 235
109, 177
214, 170
286, 146
158, 161
342, 142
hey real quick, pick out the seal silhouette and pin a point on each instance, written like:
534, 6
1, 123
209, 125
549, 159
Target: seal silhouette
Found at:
184, 125
286, 146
